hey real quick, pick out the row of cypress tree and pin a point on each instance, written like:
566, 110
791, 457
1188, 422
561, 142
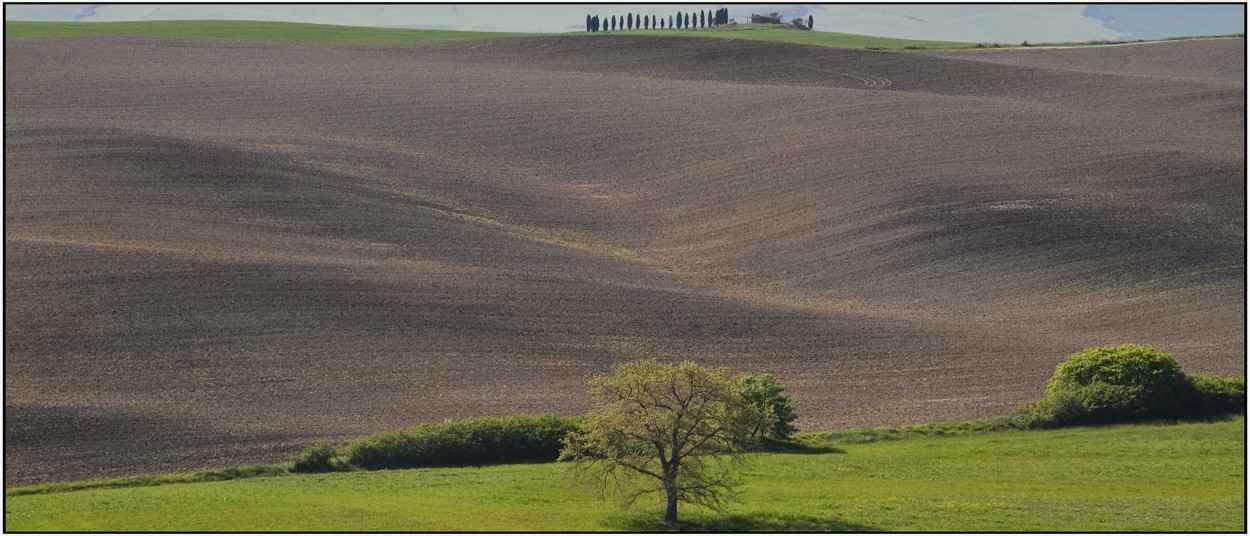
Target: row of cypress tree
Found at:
698, 19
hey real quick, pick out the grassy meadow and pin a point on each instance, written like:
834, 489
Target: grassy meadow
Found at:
1138, 478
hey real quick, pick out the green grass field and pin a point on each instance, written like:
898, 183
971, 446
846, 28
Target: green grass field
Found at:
297, 32
1187, 477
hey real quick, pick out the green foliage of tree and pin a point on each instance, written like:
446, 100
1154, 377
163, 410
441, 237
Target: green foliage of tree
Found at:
765, 392
810, 21
678, 430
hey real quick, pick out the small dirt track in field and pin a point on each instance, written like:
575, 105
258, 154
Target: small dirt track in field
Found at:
216, 252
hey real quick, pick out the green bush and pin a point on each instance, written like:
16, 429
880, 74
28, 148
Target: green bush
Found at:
765, 392
1220, 395
323, 456
476, 441
1128, 383
1051, 412
1124, 383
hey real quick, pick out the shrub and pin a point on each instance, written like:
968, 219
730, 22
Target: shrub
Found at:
1124, 383
765, 392
1219, 395
800, 24
1128, 383
320, 457
1051, 412
476, 441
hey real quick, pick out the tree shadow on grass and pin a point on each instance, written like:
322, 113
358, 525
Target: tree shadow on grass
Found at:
795, 447
653, 521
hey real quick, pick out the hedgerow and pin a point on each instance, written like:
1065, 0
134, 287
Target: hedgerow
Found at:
475, 441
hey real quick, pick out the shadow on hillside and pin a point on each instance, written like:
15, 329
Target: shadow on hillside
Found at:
652, 521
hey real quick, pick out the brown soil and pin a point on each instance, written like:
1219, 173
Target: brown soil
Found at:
217, 252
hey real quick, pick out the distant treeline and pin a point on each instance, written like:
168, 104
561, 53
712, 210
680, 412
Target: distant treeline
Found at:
697, 19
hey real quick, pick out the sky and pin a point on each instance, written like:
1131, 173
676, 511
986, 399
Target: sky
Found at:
1006, 23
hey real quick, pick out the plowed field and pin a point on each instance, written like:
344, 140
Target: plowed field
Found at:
217, 252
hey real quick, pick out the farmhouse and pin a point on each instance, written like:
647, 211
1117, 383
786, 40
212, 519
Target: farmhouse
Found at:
771, 18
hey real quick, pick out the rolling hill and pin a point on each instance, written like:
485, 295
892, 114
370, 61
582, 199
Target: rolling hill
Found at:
220, 251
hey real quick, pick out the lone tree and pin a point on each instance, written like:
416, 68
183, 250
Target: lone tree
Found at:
809, 22
675, 429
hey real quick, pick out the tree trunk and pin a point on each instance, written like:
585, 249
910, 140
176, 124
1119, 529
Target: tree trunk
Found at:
670, 514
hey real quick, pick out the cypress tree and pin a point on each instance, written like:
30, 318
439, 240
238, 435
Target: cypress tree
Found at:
588, 23
629, 21
670, 22
613, 22
809, 22
702, 21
